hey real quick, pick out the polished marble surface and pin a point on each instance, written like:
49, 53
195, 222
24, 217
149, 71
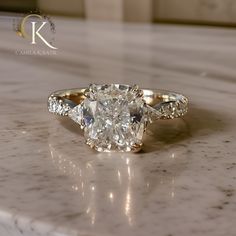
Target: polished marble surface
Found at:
183, 182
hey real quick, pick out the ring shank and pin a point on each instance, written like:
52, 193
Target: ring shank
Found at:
151, 97
167, 104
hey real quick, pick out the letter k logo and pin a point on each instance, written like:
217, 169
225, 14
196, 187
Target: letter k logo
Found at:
36, 33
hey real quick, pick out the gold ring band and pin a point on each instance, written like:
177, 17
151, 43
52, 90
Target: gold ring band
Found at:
155, 98
115, 117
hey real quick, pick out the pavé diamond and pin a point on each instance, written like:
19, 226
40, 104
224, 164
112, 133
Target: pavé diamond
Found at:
114, 117
56, 106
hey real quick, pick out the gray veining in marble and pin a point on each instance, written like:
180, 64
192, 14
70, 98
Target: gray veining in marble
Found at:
184, 181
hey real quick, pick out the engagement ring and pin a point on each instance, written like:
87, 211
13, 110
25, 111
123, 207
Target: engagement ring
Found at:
114, 117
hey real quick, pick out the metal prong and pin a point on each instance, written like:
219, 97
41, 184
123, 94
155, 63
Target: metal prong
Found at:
136, 147
90, 143
87, 93
91, 87
135, 88
139, 92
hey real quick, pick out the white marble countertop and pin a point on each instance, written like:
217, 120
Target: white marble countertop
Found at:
184, 181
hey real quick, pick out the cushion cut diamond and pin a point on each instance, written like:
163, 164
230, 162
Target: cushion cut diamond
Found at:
114, 117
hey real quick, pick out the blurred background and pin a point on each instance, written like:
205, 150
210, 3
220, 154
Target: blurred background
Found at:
210, 12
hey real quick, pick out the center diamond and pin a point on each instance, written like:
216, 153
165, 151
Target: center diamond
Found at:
114, 117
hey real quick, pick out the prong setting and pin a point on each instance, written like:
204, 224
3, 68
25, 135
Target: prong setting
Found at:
113, 117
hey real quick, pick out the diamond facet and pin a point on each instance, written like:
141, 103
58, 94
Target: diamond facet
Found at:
76, 114
114, 117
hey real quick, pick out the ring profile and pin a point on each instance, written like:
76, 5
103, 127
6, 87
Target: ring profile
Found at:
114, 117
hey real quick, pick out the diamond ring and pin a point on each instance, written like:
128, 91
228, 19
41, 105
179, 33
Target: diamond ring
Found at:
114, 117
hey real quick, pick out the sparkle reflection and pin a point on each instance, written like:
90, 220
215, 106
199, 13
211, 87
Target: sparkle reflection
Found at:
111, 196
128, 206
113, 182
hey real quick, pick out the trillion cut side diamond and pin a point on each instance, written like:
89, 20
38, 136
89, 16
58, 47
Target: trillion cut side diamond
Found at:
76, 114
114, 117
